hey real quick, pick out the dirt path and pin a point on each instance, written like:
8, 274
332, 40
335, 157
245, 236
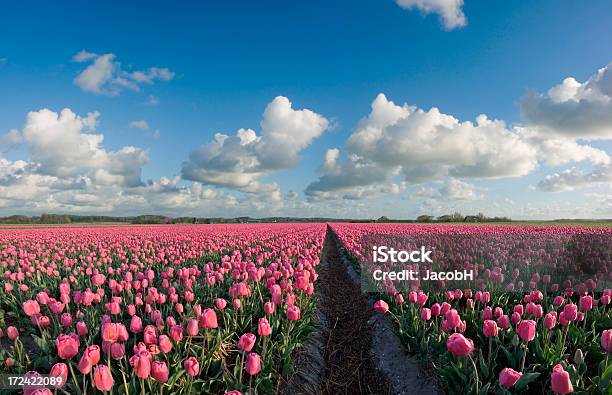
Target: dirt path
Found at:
349, 367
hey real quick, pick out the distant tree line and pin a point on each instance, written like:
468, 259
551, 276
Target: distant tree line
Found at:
458, 217
51, 219
59, 219
48, 219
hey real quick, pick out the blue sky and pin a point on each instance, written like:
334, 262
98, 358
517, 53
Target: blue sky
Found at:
227, 62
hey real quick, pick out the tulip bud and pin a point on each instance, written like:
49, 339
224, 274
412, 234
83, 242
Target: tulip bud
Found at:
247, 341
253, 364
515, 340
269, 308
159, 371
263, 327
606, 340
192, 367
81, 328
12, 332
192, 327
103, 379
578, 357
560, 381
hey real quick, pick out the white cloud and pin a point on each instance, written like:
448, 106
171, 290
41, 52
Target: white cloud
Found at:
98, 77
154, 73
450, 11
451, 190
89, 179
105, 76
568, 112
602, 203
454, 189
61, 147
424, 146
573, 178
574, 109
83, 56
428, 145
152, 100
140, 124
559, 150
241, 161
10, 140
330, 162
145, 128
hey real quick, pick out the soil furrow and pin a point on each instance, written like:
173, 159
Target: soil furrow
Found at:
349, 367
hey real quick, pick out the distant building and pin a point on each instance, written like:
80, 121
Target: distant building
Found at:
471, 218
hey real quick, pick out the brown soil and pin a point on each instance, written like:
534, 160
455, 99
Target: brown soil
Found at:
349, 367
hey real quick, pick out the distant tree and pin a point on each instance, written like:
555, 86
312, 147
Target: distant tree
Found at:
456, 217
54, 219
425, 218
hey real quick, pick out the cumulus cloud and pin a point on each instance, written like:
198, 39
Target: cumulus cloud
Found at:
569, 112
574, 109
346, 176
451, 189
240, 161
68, 170
450, 11
454, 189
573, 178
424, 146
559, 150
61, 146
104, 74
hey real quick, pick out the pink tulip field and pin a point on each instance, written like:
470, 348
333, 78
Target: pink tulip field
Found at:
505, 334
157, 309
176, 309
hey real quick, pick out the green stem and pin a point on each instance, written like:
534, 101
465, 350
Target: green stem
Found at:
475, 374
76, 383
190, 384
241, 366
265, 344
127, 391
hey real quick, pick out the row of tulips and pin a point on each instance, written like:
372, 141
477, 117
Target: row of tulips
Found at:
498, 341
168, 310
